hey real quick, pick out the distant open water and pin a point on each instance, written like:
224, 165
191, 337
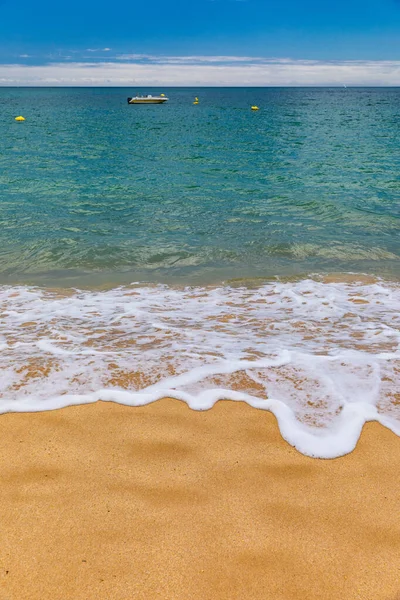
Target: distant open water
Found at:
264, 246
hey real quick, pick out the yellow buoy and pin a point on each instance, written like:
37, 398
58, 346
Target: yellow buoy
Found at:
162, 95
196, 102
255, 108
19, 118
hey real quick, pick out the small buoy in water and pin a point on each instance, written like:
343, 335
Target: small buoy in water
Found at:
19, 118
255, 108
196, 102
162, 95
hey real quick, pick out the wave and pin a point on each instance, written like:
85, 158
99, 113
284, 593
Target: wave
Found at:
322, 355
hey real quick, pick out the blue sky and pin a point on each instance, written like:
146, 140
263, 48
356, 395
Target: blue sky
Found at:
218, 41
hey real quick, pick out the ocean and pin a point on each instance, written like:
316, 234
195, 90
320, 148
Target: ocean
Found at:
204, 252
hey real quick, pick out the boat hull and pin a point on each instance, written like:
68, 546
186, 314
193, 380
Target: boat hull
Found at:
147, 100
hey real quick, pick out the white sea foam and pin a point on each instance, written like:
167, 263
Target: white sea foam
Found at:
323, 357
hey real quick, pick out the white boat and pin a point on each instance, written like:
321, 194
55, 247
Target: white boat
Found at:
148, 99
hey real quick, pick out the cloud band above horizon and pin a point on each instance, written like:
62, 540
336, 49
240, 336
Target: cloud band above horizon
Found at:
144, 70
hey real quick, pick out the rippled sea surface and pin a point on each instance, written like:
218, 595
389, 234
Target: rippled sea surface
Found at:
92, 189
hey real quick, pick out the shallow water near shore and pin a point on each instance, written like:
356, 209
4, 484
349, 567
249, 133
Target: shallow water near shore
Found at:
265, 248
323, 356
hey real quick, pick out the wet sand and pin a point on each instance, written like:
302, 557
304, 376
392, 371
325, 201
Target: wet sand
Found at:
109, 502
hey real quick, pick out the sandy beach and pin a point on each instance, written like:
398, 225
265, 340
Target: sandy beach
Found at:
105, 501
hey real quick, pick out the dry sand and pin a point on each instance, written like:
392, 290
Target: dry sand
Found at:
109, 502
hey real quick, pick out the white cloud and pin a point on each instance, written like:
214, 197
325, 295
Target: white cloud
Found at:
201, 59
98, 49
213, 71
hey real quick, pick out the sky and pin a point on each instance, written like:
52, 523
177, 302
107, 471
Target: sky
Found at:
200, 42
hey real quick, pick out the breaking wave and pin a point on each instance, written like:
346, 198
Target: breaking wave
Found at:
323, 356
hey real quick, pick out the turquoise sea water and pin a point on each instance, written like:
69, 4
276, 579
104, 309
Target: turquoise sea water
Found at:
204, 253
92, 189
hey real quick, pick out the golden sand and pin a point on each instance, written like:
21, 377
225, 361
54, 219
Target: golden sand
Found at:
109, 502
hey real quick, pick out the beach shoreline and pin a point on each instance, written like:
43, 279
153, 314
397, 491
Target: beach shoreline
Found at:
108, 501
200, 258
322, 356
